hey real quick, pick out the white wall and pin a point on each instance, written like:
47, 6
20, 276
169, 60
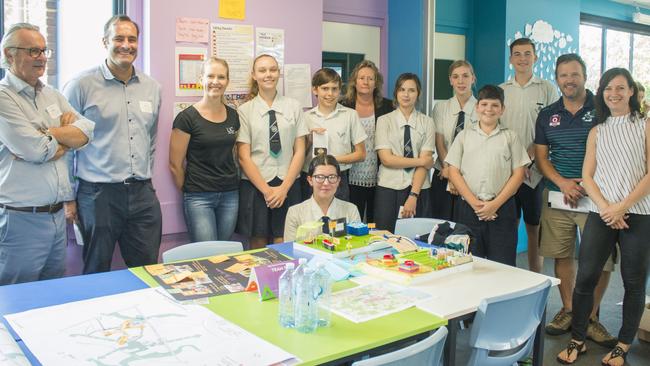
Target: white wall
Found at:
352, 38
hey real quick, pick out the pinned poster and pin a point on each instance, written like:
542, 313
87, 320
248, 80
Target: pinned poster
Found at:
232, 9
188, 61
265, 279
180, 106
234, 43
194, 30
270, 41
297, 83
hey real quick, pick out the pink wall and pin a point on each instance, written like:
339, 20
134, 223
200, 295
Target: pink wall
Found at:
301, 21
364, 12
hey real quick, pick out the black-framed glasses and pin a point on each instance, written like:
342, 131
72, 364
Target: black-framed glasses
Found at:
332, 178
35, 52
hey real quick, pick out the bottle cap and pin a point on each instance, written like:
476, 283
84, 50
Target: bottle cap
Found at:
290, 265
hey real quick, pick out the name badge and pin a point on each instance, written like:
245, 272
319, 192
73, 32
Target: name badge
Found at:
54, 111
146, 107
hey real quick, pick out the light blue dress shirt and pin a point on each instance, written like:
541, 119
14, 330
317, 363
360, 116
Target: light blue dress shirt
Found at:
126, 123
27, 175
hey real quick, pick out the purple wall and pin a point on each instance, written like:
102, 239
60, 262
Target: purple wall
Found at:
301, 21
364, 12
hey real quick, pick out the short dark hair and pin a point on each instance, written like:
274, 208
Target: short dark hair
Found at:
322, 159
521, 42
491, 92
401, 79
568, 57
602, 110
324, 76
116, 19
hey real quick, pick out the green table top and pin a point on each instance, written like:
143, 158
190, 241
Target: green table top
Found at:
343, 338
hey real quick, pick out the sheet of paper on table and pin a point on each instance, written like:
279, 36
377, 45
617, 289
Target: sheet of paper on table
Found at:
144, 327
10, 352
367, 302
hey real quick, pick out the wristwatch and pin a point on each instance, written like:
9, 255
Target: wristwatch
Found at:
413, 194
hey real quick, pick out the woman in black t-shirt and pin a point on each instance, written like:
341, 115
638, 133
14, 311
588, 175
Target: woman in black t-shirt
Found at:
204, 136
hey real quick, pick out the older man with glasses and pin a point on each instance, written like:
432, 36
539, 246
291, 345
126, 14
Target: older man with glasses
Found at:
37, 127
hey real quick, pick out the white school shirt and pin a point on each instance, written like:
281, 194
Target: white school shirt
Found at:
254, 130
523, 104
344, 130
445, 117
309, 211
390, 135
486, 161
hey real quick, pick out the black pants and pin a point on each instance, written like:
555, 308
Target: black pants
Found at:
388, 201
364, 199
442, 202
495, 240
115, 212
598, 242
342, 192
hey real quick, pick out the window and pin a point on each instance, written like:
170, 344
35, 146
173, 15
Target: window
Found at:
72, 28
607, 43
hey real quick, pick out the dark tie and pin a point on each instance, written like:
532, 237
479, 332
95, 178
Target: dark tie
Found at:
460, 124
326, 224
274, 135
408, 147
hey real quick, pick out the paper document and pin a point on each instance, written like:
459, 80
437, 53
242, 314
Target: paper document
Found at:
367, 302
10, 352
320, 143
144, 327
534, 177
556, 200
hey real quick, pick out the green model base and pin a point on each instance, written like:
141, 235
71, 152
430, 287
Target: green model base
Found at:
355, 242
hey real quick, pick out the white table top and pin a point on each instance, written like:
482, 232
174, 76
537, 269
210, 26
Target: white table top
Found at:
461, 293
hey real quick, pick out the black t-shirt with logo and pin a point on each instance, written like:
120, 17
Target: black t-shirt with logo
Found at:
210, 159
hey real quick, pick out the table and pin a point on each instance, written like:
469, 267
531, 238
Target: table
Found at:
343, 341
458, 296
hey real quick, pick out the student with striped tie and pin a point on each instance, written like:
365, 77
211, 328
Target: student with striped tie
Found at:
271, 148
404, 141
450, 117
615, 176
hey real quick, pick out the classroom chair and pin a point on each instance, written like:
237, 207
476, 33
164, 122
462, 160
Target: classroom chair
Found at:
415, 226
426, 352
201, 249
504, 327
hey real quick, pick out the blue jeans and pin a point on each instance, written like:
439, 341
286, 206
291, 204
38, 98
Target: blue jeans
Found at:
32, 246
211, 215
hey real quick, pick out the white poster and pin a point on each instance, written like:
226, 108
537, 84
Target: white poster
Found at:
270, 41
179, 106
297, 83
234, 43
142, 327
187, 64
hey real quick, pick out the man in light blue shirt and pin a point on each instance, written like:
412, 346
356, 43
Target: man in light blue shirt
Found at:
37, 126
115, 198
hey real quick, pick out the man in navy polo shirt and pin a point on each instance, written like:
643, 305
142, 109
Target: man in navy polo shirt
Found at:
560, 142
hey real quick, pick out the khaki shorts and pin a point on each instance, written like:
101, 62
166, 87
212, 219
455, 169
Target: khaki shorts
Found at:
558, 233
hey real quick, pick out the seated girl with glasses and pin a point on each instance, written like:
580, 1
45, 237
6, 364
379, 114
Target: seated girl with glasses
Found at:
323, 176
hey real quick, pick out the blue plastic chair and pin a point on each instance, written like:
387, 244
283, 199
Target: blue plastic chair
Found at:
504, 327
415, 226
201, 249
426, 352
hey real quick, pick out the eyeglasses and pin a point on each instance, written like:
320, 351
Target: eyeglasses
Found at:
333, 178
35, 52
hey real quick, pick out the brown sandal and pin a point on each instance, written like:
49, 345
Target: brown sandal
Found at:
573, 346
615, 353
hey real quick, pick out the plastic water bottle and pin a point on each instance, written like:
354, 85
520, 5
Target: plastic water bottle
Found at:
323, 290
306, 310
285, 296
